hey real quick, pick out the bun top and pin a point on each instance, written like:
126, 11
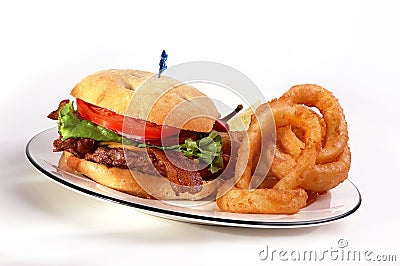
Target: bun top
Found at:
142, 95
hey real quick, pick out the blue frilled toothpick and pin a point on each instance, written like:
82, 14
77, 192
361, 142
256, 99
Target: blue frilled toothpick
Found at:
163, 66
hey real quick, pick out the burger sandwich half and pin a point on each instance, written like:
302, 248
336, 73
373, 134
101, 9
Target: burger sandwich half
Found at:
147, 136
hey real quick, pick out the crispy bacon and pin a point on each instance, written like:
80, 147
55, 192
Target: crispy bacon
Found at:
78, 147
54, 115
184, 177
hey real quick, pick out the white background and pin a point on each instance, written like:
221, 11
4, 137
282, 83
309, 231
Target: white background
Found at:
46, 47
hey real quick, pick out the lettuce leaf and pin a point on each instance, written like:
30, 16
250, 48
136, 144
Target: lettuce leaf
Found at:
207, 149
70, 126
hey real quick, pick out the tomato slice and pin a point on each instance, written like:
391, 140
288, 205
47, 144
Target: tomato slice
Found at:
137, 129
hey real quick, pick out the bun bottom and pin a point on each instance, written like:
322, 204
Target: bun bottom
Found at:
124, 180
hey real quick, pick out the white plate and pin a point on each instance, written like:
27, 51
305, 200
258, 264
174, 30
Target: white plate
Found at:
334, 205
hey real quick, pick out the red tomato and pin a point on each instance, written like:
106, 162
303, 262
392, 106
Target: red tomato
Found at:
137, 129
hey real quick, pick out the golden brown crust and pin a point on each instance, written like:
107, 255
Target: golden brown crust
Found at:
138, 94
263, 201
122, 180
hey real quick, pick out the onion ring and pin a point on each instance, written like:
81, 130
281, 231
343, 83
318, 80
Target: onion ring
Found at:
281, 164
336, 127
303, 118
288, 141
320, 177
284, 196
311, 156
323, 177
263, 201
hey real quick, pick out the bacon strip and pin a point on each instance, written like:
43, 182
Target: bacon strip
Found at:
54, 115
183, 177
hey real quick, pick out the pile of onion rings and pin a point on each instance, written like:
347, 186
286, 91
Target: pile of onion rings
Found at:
309, 157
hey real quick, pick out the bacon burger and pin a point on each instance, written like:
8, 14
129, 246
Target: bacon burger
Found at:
147, 136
